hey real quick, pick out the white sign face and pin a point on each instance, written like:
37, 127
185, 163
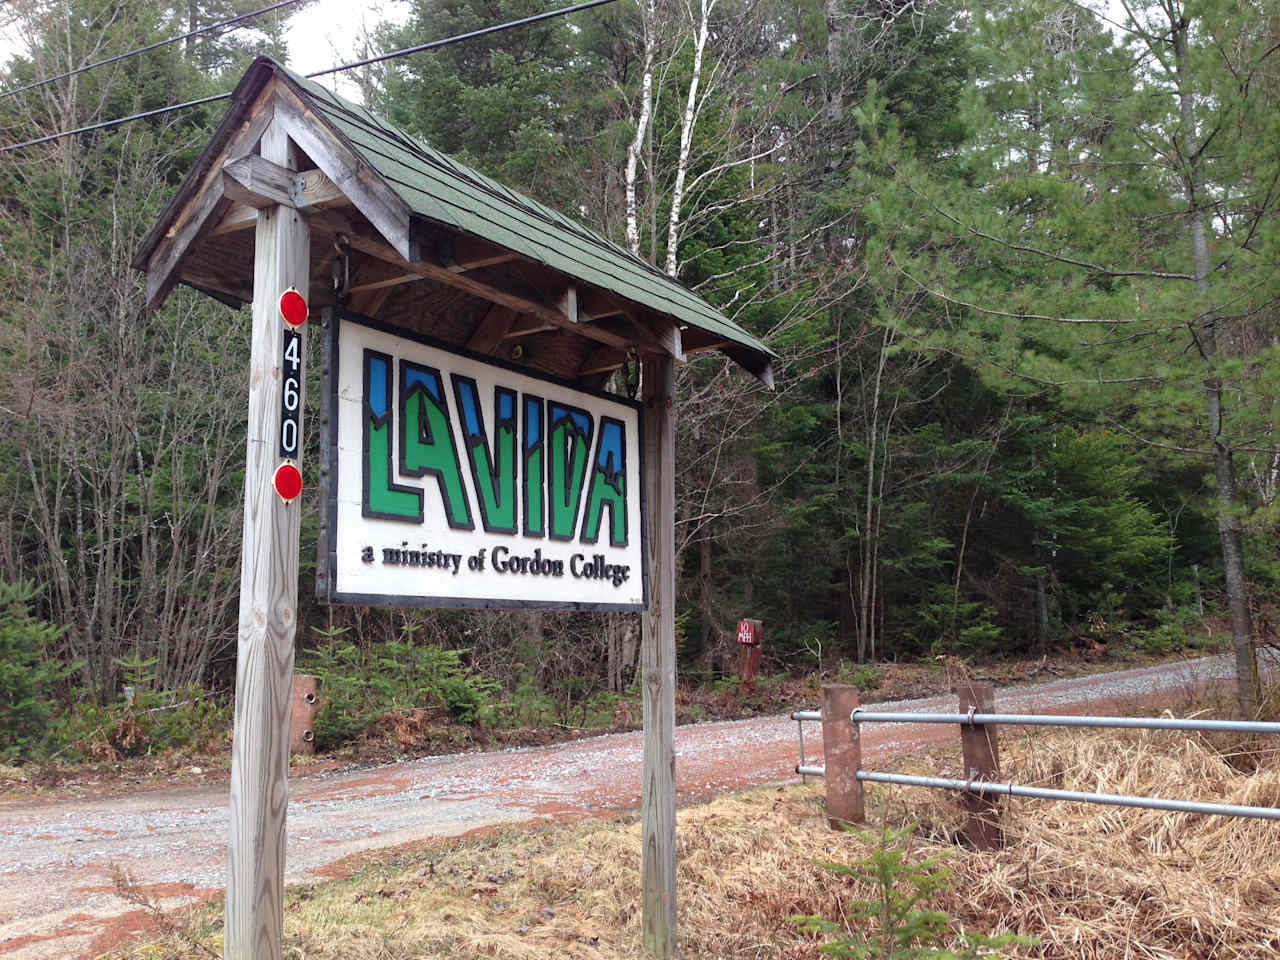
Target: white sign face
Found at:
456, 482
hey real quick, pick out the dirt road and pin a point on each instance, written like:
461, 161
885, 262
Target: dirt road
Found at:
57, 899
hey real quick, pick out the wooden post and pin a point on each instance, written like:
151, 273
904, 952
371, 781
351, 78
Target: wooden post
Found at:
842, 753
658, 663
750, 640
268, 601
981, 762
302, 734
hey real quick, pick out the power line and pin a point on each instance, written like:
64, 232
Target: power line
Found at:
119, 120
151, 46
483, 31
434, 44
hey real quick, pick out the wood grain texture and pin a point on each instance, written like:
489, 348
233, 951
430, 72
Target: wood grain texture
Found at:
492, 330
353, 177
258, 182
981, 751
658, 664
268, 606
207, 206
842, 755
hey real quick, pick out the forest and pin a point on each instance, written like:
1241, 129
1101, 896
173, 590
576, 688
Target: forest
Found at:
1019, 260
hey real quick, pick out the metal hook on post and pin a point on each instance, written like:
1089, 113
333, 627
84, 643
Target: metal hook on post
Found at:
342, 269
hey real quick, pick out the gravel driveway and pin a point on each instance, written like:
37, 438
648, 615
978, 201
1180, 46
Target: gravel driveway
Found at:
57, 898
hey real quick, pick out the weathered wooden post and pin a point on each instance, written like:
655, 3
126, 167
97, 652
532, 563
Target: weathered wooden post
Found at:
658, 664
302, 734
750, 640
842, 753
981, 763
268, 595
491, 380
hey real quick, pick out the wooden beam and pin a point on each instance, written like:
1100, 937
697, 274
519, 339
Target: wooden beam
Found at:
611, 312
600, 304
602, 360
313, 191
658, 664
379, 204
257, 182
374, 274
207, 205
460, 253
527, 327
665, 333
548, 314
704, 347
239, 216
268, 600
204, 274
492, 330
617, 332
568, 304
371, 301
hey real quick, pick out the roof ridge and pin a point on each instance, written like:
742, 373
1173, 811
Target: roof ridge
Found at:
483, 180
505, 216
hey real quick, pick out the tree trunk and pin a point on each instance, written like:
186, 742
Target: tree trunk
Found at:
642, 125
1242, 635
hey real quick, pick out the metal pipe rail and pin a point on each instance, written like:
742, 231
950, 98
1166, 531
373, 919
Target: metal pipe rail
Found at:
1050, 720
985, 788
989, 789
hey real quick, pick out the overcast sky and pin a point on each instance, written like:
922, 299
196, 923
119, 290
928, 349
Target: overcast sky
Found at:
326, 33
330, 32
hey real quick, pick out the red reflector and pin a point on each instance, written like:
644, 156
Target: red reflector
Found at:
288, 481
293, 308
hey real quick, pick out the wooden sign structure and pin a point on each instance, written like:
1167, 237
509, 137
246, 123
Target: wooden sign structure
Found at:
456, 481
298, 186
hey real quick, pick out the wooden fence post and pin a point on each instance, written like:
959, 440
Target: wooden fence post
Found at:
842, 753
981, 762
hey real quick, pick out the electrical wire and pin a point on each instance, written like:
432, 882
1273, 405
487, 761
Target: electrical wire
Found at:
151, 46
483, 31
434, 44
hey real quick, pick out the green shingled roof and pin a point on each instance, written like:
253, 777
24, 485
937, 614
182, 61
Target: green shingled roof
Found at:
437, 187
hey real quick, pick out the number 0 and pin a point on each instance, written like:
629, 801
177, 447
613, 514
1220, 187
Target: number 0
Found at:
289, 436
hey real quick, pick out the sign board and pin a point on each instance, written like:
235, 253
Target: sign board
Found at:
456, 481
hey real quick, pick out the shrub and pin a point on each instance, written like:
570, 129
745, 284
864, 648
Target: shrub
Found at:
27, 673
901, 925
362, 681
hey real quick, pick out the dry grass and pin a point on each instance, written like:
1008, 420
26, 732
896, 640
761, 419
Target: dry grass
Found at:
1100, 881
1087, 881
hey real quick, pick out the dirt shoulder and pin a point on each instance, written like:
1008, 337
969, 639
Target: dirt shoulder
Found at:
60, 857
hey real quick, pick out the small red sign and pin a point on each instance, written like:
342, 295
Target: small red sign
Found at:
749, 633
288, 481
293, 308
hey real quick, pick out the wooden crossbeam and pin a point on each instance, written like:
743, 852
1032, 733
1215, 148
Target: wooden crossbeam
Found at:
602, 360
460, 253
492, 330
207, 205
256, 182
619, 333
